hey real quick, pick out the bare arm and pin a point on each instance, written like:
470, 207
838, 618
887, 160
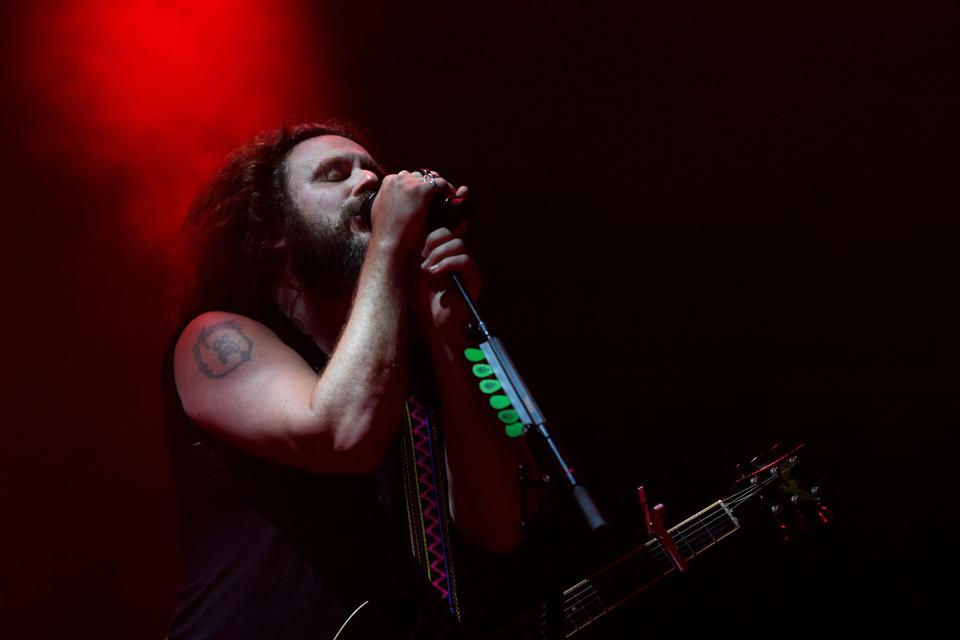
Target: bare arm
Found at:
485, 499
239, 381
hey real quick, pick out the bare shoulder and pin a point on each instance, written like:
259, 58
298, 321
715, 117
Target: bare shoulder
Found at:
216, 344
227, 364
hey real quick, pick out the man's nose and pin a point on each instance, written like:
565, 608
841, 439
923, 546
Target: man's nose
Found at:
367, 182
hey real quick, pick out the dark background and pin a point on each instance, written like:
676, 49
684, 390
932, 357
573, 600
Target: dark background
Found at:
705, 229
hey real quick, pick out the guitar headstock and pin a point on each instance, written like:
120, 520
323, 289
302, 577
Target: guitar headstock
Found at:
787, 489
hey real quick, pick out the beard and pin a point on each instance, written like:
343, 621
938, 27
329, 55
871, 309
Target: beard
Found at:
326, 255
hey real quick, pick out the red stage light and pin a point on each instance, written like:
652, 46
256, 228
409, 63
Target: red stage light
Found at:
151, 94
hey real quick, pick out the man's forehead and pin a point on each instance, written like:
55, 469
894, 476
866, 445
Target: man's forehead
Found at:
318, 148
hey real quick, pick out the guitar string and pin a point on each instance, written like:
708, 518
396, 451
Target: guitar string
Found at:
579, 608
697, 529
576, 610
588, 591
657, 551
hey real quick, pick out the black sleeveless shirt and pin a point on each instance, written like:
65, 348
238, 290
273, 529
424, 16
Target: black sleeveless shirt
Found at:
273, 552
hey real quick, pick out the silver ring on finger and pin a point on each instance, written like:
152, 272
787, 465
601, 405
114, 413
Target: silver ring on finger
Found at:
429, 178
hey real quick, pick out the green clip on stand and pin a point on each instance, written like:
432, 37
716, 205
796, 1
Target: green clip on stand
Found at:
500, 402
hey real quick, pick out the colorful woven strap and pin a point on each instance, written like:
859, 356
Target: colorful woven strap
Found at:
427, 507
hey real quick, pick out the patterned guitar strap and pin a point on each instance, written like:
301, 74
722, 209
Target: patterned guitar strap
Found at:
425, 487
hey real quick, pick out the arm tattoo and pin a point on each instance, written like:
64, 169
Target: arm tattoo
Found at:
221, 348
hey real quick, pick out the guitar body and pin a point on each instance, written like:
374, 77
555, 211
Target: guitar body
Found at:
391, 616
401, 616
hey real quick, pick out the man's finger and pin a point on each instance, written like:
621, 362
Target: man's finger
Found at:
452, 247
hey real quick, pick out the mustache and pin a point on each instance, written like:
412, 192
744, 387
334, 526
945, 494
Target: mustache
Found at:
354, 207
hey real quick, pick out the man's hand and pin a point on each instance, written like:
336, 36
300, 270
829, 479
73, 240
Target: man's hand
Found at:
440, 312
399, 212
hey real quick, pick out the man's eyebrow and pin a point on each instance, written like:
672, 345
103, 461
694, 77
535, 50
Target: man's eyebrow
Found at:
365, 161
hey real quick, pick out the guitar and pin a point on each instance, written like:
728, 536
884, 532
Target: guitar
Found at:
775, 485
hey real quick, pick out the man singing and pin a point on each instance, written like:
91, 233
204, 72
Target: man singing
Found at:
311, 339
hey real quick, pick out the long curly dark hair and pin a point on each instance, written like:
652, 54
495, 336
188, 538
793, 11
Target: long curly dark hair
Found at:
230, 248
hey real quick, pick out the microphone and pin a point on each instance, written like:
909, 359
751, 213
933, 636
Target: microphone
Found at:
443, 212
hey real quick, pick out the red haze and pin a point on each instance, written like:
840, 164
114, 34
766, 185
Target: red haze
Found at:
153, 93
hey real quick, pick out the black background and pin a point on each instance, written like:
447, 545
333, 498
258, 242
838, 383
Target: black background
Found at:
705, 228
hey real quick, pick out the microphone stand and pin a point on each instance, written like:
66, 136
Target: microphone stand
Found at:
528, 412
529, 415
449, 211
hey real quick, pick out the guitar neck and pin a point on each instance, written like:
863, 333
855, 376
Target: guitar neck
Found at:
622, 580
